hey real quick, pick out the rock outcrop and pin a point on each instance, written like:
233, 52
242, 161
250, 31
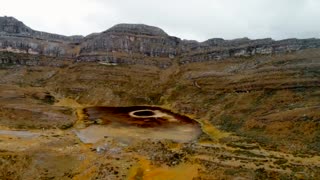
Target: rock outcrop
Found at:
129, 43
217, 49
137, 44
15, 36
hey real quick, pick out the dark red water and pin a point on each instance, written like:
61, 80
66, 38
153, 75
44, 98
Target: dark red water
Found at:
145, 116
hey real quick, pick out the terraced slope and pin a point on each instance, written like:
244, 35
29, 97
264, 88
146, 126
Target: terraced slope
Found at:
257, 103
259, 117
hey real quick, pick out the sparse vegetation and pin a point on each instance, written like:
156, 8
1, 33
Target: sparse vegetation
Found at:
253, 117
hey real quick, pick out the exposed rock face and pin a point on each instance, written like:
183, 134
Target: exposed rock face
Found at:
137, 44
17, 37
137, 29
12, 25
216, 49
259, 116
130, 44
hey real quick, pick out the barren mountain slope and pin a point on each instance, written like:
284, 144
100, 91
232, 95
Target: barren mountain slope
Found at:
257, 103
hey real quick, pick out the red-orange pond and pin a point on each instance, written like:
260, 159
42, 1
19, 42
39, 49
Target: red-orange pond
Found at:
137, 122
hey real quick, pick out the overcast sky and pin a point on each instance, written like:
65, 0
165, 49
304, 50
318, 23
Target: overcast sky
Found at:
187, 19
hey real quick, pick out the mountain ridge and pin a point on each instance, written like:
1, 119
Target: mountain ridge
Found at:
138, 44
257, 102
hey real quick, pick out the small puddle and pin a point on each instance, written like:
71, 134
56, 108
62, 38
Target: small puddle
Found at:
142, 122
20, 134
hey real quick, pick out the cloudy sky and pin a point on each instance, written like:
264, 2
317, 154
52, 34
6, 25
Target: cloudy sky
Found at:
187, 19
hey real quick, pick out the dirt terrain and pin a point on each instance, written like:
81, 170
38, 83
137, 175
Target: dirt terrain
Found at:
259, 118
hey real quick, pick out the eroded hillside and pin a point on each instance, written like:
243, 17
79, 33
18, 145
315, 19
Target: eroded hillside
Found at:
252, 107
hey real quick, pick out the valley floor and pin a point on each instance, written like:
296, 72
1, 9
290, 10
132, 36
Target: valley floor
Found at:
259, 117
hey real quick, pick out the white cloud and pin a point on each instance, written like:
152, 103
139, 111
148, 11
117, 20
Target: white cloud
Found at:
193, 19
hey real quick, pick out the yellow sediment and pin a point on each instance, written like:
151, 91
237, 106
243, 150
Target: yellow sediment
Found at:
175, 147
86, 168
68, 102
145, 171
80, 123
80, 114
212, 131
209, 129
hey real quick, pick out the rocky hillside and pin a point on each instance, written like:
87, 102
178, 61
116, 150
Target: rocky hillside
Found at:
137, 44
268, 105
15, 36
130, 44
257, 102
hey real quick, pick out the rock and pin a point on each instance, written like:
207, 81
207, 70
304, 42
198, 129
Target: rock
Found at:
129, 44
137, 44
217, 49
16, 37
12, 25
137, 29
